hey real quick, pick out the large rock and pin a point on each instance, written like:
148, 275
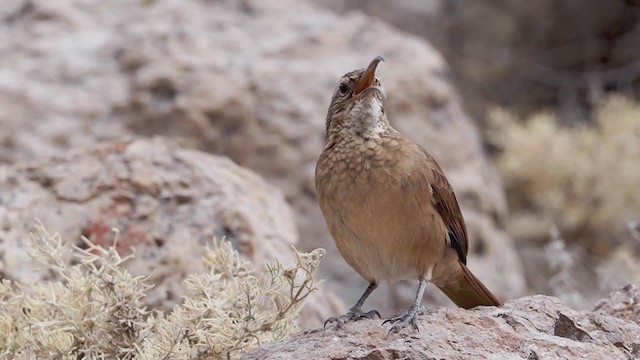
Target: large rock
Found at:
242, 79
537, 327
167, 202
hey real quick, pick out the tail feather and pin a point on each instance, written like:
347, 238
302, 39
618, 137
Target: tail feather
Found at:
469, 292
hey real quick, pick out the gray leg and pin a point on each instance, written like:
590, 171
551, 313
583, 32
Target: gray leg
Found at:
355, 313
409, 317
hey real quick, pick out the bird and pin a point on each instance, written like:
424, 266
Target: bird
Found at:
388, 205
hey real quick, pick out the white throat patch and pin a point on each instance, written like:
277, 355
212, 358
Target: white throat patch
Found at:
368, 118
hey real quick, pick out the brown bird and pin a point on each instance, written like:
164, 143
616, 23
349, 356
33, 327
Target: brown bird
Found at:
388, 205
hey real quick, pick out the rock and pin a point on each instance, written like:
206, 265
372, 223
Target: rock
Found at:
536, 327
623, 304
167, 202
236, 78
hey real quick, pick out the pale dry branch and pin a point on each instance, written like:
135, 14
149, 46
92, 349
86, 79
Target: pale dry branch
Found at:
97, 308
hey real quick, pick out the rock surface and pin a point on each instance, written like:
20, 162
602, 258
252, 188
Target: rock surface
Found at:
536, 327
239, 78
623, 304
166, 201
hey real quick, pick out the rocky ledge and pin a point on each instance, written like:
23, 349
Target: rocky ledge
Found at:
535, 327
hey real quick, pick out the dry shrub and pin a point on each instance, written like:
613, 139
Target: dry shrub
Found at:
582, 179
96, 310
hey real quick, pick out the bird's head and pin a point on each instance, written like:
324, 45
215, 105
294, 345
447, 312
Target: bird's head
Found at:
357, 103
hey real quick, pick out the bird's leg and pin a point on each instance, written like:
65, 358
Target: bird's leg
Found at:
355, 313
409, 317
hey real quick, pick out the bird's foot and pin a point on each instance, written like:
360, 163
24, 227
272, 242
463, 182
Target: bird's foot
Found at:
354, 314
405, 318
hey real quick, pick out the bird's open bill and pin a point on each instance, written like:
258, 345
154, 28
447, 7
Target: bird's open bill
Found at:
367, 79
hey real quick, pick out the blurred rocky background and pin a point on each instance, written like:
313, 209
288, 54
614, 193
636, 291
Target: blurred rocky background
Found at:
529, 107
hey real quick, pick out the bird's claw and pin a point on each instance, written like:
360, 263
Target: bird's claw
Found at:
352, 315
405, 318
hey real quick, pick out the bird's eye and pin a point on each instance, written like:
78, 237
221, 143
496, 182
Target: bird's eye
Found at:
344, 88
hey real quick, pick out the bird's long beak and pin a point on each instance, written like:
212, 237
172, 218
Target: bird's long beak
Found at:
369, 75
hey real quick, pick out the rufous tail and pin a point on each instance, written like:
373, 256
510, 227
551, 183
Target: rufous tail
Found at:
469, 292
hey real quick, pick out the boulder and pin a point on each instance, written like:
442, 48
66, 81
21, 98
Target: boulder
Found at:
167, 203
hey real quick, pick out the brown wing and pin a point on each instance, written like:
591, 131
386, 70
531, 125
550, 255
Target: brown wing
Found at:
446, 204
